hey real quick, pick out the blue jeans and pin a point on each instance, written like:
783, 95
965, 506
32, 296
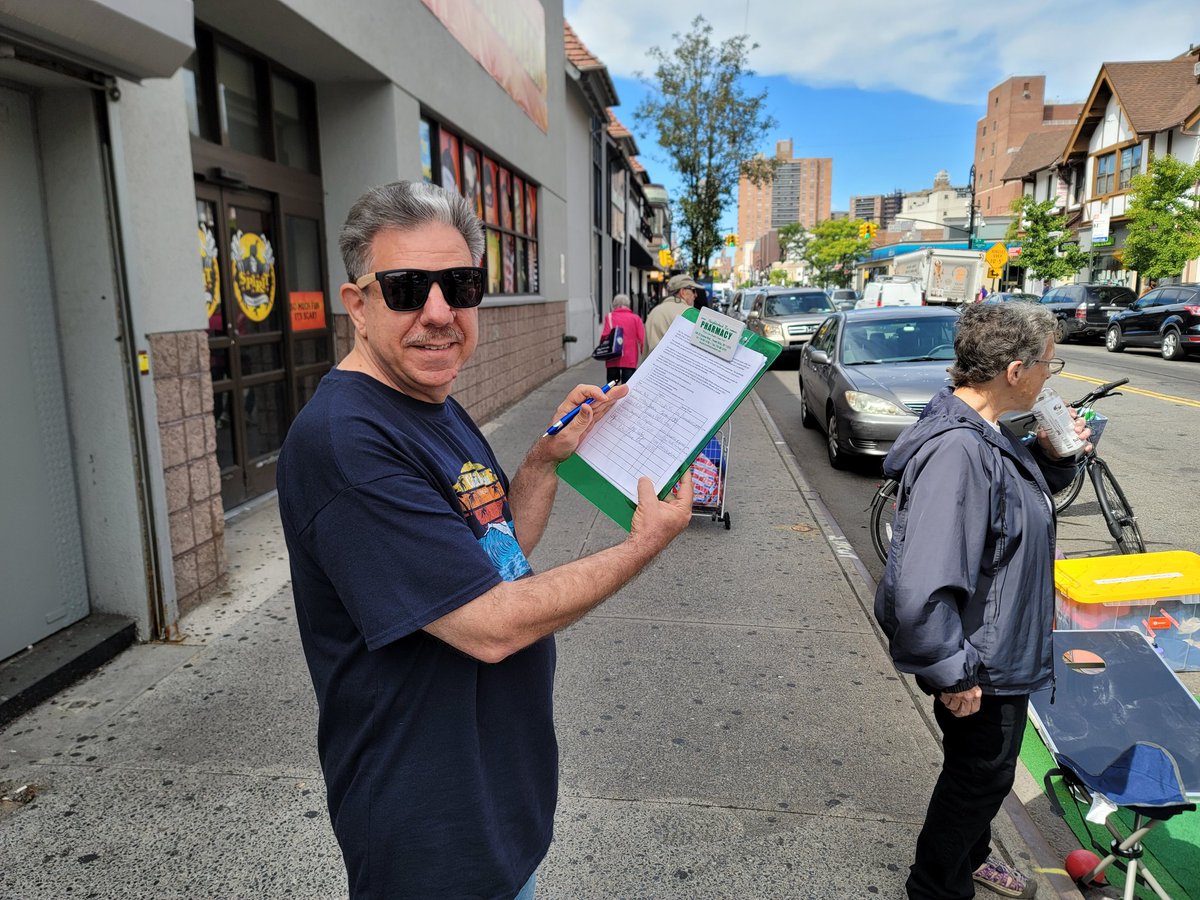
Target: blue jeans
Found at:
527, 891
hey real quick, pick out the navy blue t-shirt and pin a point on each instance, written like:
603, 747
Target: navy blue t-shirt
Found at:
442, 771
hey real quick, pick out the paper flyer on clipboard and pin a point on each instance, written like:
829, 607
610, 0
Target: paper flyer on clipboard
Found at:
679, 397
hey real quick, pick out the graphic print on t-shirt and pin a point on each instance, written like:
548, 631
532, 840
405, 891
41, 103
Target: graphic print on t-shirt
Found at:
485, 507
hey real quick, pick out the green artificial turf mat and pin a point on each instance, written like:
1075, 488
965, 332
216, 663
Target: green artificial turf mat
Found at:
1172, 849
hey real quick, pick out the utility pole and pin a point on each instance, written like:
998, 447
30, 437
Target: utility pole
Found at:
971, 214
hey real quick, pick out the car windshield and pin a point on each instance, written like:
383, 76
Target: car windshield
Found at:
798, 304
898, 340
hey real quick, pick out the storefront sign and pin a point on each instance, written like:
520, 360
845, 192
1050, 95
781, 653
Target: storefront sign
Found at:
253, 274
308, 310
507, 38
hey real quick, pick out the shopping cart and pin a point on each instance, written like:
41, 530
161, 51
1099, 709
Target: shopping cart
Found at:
710, 477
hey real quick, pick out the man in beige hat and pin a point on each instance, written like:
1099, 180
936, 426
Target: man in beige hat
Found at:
681, 295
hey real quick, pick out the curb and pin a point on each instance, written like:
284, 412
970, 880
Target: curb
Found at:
863, 586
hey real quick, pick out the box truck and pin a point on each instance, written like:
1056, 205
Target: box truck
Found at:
947, 277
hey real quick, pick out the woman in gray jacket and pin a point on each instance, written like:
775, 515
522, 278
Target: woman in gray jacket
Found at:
967, 599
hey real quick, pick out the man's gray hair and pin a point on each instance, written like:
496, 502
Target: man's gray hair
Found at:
404, 205
620, 300
992, 335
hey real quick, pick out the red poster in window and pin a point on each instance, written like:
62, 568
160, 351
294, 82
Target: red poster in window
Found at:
531, 210
505, 199
451, 174
489, 192
307, 309
472, 182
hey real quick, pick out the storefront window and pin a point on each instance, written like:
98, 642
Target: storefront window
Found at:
238, 102
505, 201
293, 145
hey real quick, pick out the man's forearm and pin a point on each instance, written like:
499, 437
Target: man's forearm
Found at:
531, 497
515, 614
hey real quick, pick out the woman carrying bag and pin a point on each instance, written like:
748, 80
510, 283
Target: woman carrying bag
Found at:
621, 368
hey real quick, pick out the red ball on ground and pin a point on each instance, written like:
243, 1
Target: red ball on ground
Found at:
1080, 862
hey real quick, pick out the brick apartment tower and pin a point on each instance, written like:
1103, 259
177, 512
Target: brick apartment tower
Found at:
1016, 108
801, 192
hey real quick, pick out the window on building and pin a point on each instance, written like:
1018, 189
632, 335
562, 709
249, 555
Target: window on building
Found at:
243, 101
1105, 171
1131, 164
504, 200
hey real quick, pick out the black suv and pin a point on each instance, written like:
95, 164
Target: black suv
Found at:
1083, 310
1167, 318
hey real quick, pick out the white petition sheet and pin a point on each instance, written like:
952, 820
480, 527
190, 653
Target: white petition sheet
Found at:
676, 397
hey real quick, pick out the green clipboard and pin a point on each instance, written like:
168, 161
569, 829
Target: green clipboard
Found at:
609, 499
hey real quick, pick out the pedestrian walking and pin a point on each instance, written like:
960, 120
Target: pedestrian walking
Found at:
428, 638
621, 368
681, 295
967, 598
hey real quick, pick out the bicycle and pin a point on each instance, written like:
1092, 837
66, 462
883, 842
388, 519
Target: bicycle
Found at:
1114, 505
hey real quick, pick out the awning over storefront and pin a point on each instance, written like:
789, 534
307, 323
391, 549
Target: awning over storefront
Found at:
639, 256
130, 38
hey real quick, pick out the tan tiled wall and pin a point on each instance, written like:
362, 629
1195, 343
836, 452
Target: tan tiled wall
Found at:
179, 365
520, 347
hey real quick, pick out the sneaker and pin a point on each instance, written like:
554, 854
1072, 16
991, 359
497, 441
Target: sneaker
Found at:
1005, 879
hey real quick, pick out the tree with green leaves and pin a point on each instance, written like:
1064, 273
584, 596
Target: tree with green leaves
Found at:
792, 239
832, 248
709, 127
1164, 219
1048, 247
777, 277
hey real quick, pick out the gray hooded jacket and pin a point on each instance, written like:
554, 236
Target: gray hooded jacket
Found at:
968, 593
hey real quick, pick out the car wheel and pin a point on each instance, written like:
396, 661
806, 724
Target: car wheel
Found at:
1061, 335
837, 457
806, 417
1112, 339
1172, 345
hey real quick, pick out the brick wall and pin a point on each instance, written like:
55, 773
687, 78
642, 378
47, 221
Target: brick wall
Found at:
179, 364
520, 347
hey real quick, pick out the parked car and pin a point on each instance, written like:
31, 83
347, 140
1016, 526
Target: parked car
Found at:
742, 300
789, 316
843, 298
1012, 297
1083, 310
891, 290
1167, 318
866, 375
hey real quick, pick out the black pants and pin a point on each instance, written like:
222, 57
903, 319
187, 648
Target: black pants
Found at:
979, 765
621, 375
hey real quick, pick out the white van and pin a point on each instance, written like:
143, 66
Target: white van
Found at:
893, 290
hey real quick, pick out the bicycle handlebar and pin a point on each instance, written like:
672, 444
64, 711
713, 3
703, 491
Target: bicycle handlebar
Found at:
1099, 393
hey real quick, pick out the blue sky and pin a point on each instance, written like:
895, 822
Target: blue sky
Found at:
891, 96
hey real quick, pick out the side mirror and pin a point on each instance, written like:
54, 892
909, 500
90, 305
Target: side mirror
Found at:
819, 357
753, 314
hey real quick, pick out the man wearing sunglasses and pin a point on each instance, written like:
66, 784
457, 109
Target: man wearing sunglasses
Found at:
428, 637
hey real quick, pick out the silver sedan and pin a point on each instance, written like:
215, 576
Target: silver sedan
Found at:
867, 374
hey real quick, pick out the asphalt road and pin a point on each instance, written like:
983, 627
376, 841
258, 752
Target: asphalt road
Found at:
1150, 443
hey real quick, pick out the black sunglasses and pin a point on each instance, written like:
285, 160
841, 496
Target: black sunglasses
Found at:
406, 290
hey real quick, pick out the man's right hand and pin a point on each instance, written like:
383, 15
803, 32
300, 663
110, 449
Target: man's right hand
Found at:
658, 522
963, 703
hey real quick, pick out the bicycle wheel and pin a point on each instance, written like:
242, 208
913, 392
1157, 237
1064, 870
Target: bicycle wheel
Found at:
1067, 495
883, 513
1118, 514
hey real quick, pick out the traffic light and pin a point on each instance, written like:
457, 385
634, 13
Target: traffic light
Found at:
731, 240
872, 227
665, 259
862, 229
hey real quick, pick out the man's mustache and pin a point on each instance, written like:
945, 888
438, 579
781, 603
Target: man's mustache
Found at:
448, 335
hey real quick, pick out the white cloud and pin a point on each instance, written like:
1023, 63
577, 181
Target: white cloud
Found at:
945, 50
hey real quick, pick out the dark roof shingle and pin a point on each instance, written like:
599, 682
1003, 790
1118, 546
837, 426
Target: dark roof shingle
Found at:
1039, 150
1156, 95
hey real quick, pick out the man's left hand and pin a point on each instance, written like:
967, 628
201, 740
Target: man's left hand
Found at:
559, 446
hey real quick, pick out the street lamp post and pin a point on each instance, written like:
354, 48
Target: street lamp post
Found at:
971, 216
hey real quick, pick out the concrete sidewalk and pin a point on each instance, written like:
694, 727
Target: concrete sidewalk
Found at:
730, 724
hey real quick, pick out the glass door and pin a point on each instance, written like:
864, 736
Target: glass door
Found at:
247, 329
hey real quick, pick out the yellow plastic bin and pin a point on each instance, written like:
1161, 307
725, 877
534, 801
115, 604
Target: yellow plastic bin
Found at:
1156, 593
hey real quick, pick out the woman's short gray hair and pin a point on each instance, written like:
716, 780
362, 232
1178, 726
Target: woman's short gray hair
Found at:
992, 335
404, 205
620, 300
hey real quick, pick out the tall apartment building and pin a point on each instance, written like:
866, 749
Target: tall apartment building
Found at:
881, 209
800, 192
1016, 108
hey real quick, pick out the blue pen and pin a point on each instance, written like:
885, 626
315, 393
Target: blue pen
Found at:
562, 423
